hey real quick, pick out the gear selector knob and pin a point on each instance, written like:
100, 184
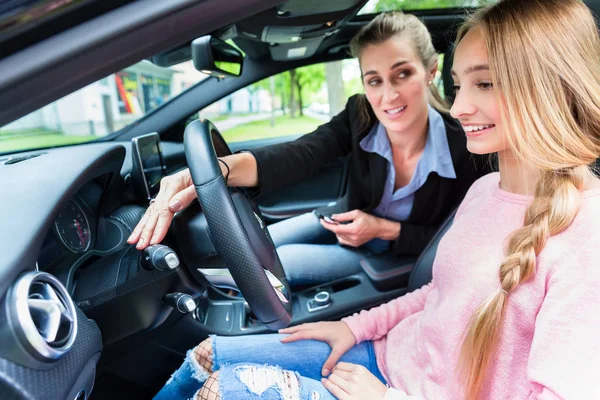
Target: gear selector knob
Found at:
184, 303
159, 256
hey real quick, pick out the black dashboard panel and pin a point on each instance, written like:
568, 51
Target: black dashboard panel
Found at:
34, 191
49, 208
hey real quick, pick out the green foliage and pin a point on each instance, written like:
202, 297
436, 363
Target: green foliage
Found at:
312, 77
282, 86
388, 5
307, 81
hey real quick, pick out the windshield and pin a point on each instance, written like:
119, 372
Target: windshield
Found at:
101, 108
374, 6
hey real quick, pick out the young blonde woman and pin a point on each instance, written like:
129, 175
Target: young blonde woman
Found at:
513, 308
409, 168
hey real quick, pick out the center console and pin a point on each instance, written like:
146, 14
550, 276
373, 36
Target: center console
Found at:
220, 313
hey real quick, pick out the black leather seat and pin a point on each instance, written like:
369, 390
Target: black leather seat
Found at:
388, 271
421, 272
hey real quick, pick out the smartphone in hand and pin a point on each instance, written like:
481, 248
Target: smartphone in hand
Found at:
326, 218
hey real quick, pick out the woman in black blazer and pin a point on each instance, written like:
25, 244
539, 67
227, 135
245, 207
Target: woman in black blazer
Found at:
409, 166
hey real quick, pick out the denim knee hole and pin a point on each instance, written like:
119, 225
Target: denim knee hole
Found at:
258, 379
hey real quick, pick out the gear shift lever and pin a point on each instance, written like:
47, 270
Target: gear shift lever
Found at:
159, 256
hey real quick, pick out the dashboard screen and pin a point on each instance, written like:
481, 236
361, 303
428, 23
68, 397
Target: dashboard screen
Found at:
150, 162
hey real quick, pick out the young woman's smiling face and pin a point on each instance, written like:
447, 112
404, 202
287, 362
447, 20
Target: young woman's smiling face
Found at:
476, 105
396, 84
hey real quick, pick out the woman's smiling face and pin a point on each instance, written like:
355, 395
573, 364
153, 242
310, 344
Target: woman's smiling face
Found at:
396, 84
476, 105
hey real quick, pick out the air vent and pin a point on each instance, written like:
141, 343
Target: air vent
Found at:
42, 316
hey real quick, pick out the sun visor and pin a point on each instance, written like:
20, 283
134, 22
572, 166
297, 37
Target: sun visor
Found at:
297, 20
288, 34
300, 8
291, 51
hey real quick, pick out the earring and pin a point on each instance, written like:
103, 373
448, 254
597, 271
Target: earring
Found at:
429, 83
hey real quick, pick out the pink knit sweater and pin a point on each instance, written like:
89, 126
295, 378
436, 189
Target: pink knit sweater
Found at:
550, 343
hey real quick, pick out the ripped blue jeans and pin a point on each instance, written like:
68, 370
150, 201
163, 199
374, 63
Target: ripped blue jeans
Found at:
254, 367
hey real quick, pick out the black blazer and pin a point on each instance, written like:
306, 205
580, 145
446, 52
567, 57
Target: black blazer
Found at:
286, 163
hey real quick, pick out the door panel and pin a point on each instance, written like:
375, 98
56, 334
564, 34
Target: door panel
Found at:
326, 187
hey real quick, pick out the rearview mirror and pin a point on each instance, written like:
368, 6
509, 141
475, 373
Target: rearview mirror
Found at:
216, 58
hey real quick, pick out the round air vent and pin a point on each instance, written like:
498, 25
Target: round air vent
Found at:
42, 316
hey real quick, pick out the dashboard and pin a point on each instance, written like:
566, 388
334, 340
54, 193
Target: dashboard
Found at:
67, 212
74, 230
89, 222
65, 216
46, 215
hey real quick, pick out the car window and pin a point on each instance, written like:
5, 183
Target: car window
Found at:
275, 107
101, 108
291, 103
375, 6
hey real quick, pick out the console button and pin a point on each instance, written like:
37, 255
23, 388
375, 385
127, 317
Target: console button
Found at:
321, 300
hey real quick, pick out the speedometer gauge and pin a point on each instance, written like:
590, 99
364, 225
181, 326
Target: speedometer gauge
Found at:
73, 228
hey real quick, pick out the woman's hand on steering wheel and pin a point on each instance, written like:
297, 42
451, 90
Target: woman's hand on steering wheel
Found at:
336, 334
176, 192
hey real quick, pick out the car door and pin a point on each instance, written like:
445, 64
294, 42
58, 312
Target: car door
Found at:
280, 109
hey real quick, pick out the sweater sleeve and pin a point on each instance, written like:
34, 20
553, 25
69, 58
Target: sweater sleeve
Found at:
377, 322
564, 361
283, 164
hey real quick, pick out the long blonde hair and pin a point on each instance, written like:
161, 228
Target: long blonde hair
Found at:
544, 59
396, 23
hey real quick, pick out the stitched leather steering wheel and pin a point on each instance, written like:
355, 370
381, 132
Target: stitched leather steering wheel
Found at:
238, 232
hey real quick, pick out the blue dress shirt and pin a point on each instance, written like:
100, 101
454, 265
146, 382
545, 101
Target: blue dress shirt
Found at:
436, 157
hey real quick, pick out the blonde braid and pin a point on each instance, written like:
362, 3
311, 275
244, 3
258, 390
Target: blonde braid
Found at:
553, 209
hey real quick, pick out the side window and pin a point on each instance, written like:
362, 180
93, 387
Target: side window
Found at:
294, 102
439, 76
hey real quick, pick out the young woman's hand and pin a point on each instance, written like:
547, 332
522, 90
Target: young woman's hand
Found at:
362, 228
336, 334
354, 382
176, 192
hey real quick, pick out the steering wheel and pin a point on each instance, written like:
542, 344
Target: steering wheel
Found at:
238, 232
